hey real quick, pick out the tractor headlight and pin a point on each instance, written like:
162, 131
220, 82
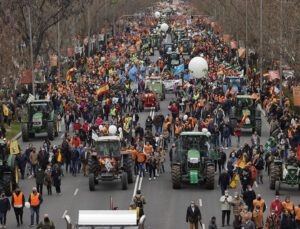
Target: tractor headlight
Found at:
193, 162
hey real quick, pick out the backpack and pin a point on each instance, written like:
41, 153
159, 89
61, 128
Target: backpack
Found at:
139, 201
260, 164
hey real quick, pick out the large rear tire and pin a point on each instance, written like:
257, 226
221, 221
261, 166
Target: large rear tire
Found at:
50, 131
92, 182
124, 181
275, 174
210, 180
25, 134
176, 174
127, 164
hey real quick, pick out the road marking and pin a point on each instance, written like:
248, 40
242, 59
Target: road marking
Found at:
135, 186
76, 191
203, 226
256, 185
140, 184
200, 202
65, 212
62, 136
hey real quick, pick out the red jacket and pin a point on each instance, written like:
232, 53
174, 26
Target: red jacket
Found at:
77, 126
277, 206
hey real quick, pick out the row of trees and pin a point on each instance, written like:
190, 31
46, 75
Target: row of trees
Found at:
53, 23
231, 15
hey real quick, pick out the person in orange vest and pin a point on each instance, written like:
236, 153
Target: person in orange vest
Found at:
288, 205
35, 200
141, 159
297, 216
18, 203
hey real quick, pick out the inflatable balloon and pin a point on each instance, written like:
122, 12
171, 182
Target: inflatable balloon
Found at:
27, 205
198, 67
164, 27
112, 130
157, 14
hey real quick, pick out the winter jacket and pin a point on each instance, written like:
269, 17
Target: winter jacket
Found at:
4, 204
40, 176
225, 203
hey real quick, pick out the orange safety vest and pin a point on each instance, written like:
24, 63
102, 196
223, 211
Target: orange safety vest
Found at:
18, 200
297, 213
141, 157
34, 199
288, 206
259, 203
148, 149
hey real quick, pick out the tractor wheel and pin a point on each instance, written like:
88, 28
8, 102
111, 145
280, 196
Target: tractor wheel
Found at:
14, 168
210, 180
127, 164
176, 173
25, 134
277, 187
92, 182
51, 131
274, 174
258, 126
93, 165
124, 181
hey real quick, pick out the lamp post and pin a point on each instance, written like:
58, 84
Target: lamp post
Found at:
246, 38
281, 49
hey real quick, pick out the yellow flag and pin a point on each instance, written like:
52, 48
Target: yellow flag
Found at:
5, 110
14, 147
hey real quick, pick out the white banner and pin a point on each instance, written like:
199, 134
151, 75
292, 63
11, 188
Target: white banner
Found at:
169, 84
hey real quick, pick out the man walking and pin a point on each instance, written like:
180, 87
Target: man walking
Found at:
193, 216
18, 203
226, 207
35, 200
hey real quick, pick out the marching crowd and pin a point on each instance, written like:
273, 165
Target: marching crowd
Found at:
100, 92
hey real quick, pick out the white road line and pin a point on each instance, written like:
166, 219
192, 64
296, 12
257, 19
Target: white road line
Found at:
200, 202
62, 136
135, 186
256, 185
65, 212
203, 226
140, 184
76, 191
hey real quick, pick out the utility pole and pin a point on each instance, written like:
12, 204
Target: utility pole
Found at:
246, 43
281, 50
31, 52
261, 46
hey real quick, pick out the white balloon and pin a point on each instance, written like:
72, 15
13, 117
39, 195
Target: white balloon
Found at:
100, 127
185, 117
112, 130
27, 204
164, 27
198, 67
157, 14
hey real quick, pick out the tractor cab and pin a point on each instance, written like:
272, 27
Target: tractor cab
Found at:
173, 59
191, 162
186, 46
156, 84
167, 48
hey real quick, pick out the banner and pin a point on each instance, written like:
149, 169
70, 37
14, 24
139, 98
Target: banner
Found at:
169, 84
296, 95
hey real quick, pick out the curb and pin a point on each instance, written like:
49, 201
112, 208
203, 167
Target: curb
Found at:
17, 137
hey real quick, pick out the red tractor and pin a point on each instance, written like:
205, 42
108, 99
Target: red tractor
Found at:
149, 99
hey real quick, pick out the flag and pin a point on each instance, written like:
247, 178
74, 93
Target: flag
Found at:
234, 181
178, 69
103, 89
132, 73
123, 78
69, 74
186, 77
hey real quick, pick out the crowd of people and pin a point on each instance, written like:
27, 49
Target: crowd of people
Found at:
104, 89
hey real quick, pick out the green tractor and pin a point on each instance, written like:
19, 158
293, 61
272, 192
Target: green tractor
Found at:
9, 170
287, 173
156, 84
39, 117
191, 162
245, 112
